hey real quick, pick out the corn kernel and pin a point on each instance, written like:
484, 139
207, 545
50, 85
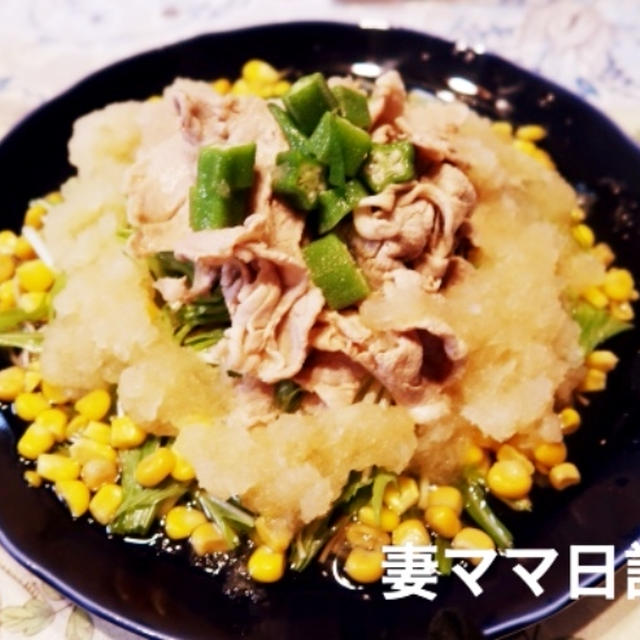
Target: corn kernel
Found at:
23, 250
75, 426
601, 359
7, 295
619, 310
443, 520
281, 87
155, 467
76, 494
7, 267
364, 566
32, 380
509, 479
34, 441
389, 519
503, 128
570, 420
583, 235
85, 449
94, 405
564, 475
56, 467
182, 471
550, 453
403, 495
366, 537
98, 431
474, 456
595, 297
242, 88
54, 394
29, 405
594, 380
105, 503
207, 538
32, 300
34, 275
445, 496
410, 532
531, 132
577, 214
543, 158
259, 72
97, 472
618, 285
8, 241
526, 146
470, 538
273, 533
55, 420
509, 452
221, 85
55, 197
34, 216
603, 253
126, 434
266, 565
154, 98
181, 522
32, 478
11, 383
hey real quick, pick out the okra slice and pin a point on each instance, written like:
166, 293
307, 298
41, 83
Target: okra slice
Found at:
216, 211
296, 139
388, 164
223, 169
307, 100
325, 144
299, 179
355, 144
334, 271
336, 203
353, 106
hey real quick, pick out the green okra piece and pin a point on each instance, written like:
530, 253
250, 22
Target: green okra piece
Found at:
296, 139
336, 203
307, 100
353, 106
299, 179
388, 164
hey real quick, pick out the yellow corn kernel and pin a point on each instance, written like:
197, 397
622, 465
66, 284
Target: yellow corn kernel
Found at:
550, 453
364, 566
526, 146
596, 297
56, 467
509, 452
32, 300
443, 520
503, 128
8, 241
543, 158
181, 522
23, 250
618, 285
509, 479
564, 475
55, 420
604, 254
98, 472
410, 532
76, 424
577, 214
619, 310
7, 267
531, 132
29, 405
55, 197
154, 98
7, 295
594, 380
273, 533
570, 420
601, 359
403, 495
182, 471
155, 467
34, 275
11, 383
583, 235
474, 456
470, 538
259, 72
366, 537
389, 519
242, 88
445, 496
32, 380
85, 449
280, 88
32, 478
34, 215
207, 538
34, 441
104, 504
94, 405
221, 85
126, 434
76, 494
266, 565
54, 394
98, 431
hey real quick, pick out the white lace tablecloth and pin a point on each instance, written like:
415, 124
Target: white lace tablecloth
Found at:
590, 46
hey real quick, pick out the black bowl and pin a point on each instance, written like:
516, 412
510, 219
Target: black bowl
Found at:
160, 595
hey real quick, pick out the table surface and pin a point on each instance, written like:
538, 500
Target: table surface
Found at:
589, 46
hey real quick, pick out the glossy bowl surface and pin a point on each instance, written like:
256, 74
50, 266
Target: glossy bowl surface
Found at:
160, 595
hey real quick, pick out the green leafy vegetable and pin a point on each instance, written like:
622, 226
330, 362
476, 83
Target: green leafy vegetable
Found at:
164, 264
596, 325
13, 318
227, 516
27, 340
444, 563
380, 483
288, 395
